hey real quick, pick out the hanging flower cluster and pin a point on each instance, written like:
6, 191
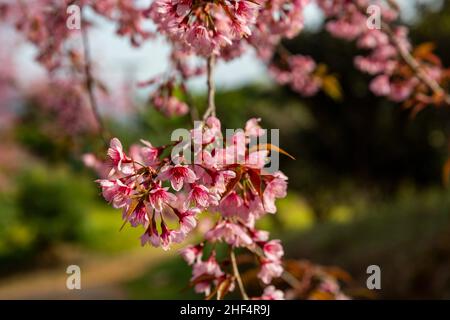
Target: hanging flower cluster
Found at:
204, 26
166, 194
67, 104
300, 73
277, 19
399, 74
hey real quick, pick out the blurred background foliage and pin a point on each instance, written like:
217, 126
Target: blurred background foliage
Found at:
366, 187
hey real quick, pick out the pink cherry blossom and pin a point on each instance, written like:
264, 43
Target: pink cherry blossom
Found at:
299, 74
160, 197
169, 105
151, 235
276, 188
273, 250
178, 175
269, 270
146, 154
115, 192
192, 254
138, 217
271, 293
252, 128
232, 233
381, 85
259, 235
206, 268
118, 158
188, 220
200, 196
231, 205
169, 236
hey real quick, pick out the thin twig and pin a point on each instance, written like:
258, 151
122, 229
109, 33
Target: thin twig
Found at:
237, 275
211, 110
290, 279
90, 85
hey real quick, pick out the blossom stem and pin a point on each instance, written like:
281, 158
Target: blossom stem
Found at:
211, 110
237, 275
290, 279
90, 84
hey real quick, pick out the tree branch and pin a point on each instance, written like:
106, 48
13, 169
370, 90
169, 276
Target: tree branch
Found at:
237, 275
90, 84
408, 58
416, 66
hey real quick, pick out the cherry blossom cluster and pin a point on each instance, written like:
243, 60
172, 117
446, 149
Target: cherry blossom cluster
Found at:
227, 29
209, 273
43, 23
204, 26
165, 195
66, 103
300, 73
62, 51
277, 19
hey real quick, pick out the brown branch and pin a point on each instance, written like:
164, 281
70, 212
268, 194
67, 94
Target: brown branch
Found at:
291, 280
237, 275
90, 85
417, 68
211, 110
408, 58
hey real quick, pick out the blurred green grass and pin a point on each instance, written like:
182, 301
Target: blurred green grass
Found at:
408, 233
101, 232
168, 280
408, 237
